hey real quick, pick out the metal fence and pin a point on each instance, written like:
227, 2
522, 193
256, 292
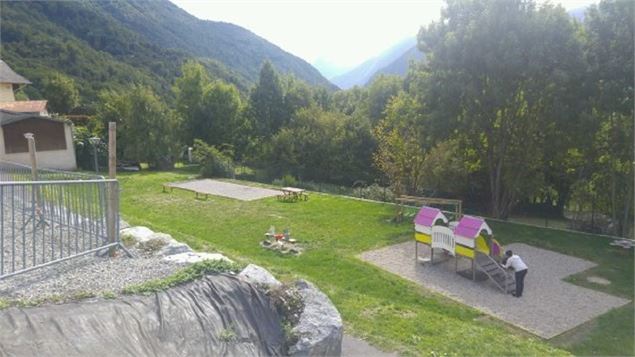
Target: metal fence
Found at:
60, 216
12, 171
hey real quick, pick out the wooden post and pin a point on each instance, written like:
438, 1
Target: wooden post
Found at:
34, 176
112, 150
416, 251
30, 138
113, 189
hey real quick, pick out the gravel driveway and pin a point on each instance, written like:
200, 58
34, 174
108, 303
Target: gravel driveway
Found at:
549, 306
226, 189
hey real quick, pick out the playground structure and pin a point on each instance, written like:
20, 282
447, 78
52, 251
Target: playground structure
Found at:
404, 201
469, 238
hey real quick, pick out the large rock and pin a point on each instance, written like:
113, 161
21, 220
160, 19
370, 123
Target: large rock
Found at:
258, 275
195, 257
162, 237
320, 327
139, 234
174, 247
123, 224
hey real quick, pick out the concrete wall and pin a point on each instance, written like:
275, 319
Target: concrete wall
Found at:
52, 159
6, 92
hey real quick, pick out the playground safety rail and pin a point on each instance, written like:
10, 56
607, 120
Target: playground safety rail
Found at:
60, 216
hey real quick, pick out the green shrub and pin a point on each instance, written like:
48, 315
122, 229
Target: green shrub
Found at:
214, 163
377, 193
286, 181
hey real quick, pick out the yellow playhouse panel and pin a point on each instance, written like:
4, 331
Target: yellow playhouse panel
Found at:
466, 252
423, 238
481, 245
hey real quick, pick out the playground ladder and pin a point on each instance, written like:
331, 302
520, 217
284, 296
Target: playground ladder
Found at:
501, 277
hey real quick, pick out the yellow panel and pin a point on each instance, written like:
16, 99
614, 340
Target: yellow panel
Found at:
423, 238
481, 245
464, 251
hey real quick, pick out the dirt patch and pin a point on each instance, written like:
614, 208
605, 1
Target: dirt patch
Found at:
225, 189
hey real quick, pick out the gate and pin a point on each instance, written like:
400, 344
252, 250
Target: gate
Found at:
60, 216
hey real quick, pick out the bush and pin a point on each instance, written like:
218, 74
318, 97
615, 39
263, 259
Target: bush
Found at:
85, 151
377, 193
214, 163
286, 181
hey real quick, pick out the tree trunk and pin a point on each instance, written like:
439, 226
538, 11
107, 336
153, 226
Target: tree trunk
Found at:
627, 209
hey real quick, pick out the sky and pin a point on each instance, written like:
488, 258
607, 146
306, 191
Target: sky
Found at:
340, 34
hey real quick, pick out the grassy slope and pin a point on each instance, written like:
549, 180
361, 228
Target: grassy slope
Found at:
387, 310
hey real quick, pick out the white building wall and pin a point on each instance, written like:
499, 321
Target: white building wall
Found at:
6, 92
52, 159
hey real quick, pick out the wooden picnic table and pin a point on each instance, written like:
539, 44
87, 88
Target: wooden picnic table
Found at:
293, 194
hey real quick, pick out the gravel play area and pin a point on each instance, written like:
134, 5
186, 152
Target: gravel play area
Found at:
549, 306
85, 276
226, 189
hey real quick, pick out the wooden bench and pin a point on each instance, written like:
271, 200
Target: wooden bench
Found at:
167, 188
293, 194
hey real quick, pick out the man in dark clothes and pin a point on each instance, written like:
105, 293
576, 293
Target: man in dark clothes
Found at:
520, 270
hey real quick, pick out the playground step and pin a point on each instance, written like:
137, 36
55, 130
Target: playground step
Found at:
501, 277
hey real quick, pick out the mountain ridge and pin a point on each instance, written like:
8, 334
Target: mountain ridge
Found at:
105, 45
361, 74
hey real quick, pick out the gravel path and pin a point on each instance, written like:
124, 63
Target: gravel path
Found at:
85, 275
549, 306
226, 189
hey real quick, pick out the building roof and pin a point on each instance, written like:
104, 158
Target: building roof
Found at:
428, 215
471, 227
25, 106
7, 75
8, 117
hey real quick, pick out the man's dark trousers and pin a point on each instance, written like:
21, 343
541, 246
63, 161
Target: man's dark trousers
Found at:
520, 282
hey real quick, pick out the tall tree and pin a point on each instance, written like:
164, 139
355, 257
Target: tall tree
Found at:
609, 52
61, 93
496, 73
147, 128
188, 89
402, 145
222, 109
380, 91
266, 102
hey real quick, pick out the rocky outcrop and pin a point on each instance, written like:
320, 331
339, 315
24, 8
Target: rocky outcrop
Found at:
195, 257
138, 234
258, 275
154, 243
320, 329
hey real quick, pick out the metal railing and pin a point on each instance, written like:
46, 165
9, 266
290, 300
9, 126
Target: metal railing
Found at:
13, 171
60, 216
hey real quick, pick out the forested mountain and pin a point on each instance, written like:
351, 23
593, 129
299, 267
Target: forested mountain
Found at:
361, 74
399, 67
106, 44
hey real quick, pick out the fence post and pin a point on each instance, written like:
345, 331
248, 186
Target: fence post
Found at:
30, 138
112, 187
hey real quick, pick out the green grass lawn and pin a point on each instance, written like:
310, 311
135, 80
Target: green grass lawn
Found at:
386, 310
